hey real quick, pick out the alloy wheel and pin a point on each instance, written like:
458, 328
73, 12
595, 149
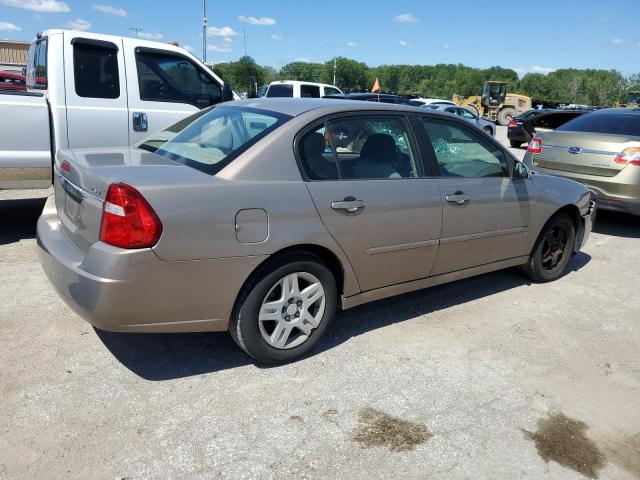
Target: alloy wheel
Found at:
554, 247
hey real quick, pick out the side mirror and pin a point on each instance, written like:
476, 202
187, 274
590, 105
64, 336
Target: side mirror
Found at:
227, 93
520, 171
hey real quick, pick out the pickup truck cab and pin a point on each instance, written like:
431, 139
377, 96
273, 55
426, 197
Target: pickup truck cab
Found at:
297, 89
92, 90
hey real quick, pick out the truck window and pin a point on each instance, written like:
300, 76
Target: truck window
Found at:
165, 77
331, 91
280, 90
95, 71
37, 70
309, 91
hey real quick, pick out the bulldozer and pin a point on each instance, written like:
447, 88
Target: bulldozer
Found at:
495, 104
633, 100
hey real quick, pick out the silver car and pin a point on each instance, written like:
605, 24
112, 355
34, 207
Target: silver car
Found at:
485, 125
263, 217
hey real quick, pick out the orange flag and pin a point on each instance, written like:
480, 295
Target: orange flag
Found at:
376, 86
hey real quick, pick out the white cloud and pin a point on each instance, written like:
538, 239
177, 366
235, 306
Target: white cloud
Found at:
218, 48
257, 21
617, 41
302, 59
110, 10
9, 27
42, 6
228, 39
352, 44
150, 36
535, 69
221, 32
79, 24
276, 37
403, 44
405, 18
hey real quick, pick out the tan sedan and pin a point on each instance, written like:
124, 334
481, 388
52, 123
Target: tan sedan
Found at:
263, 217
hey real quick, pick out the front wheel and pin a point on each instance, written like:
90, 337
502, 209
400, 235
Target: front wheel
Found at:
515, 143
285, 308
505, 116
553, 249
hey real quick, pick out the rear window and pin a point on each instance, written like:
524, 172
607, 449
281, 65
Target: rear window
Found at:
280, 90
210, 142
37, 69
309, 91
611, 123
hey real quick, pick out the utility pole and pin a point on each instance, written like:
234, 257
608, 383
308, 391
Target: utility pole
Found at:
136, 29
335, 67
205, 24
244, 39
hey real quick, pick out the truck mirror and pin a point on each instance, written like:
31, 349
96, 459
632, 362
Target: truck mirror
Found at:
227, 93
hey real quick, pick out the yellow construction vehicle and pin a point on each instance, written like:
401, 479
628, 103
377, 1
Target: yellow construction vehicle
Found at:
495, 104
633, 100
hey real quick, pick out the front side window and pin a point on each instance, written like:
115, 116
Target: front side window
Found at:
362, 147
280, 90
37, 71
461, 152
466, 114
95, 71
309, 91
208, 142
331, 91
164, 77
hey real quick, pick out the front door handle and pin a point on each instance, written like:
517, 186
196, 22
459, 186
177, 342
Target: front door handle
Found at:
459, 198
349, 204
139, 122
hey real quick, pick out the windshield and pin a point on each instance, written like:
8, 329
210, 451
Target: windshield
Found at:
211, 141
611, 123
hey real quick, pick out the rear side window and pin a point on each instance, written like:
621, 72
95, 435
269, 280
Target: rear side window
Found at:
280, 90
172, 78
612, 123
309, 91
37, 71
95, 71
211, 141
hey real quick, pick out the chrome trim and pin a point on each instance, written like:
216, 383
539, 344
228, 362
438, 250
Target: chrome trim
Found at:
401, 246
475, 236
76, 190
582, 150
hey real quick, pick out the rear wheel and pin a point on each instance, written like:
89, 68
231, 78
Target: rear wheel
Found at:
515, 143
472, 109
505, 116
285, 308
553, 249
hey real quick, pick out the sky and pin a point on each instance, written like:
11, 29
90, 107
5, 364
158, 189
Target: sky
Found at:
545, 36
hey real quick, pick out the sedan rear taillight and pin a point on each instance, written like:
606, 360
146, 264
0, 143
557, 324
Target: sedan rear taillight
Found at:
535, 146
128, 221
513, 123
629, 156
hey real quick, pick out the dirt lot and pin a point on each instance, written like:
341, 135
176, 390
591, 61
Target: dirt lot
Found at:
491, 377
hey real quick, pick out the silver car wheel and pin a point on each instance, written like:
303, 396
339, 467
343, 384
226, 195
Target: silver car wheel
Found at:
291, 310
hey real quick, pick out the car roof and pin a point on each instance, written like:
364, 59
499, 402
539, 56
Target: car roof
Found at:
298, 106
299, 82
619, 111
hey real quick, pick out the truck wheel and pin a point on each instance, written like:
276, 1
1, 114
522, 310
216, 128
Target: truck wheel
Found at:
505, 116
472, 109
515, 143
284, 308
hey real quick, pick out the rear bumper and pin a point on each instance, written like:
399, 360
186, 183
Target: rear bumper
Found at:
133, 290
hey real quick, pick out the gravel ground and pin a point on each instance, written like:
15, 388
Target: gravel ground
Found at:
486, 378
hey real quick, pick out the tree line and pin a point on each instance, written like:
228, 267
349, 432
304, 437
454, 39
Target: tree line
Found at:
581, 86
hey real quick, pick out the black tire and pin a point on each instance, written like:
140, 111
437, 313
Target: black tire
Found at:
505, 116
515, 143
244, 325
546, 263
488, 131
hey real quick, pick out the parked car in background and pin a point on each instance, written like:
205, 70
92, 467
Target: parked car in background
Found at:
12, 81
90, 90
281, 231
523, 128
432, 101
486, 126
376, 97
600, 149
296, 89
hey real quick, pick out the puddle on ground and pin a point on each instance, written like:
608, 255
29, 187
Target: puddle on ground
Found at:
563, 440
379, 429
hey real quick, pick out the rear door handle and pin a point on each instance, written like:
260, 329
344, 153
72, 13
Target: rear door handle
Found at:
459, 198
348, 205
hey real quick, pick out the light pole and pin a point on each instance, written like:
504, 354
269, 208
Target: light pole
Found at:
136, 29
205, 24
335, 67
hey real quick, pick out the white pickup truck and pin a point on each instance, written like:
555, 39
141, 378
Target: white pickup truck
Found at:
91, 90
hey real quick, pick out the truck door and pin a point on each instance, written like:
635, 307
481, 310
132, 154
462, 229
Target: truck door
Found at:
96, 91
165, 86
